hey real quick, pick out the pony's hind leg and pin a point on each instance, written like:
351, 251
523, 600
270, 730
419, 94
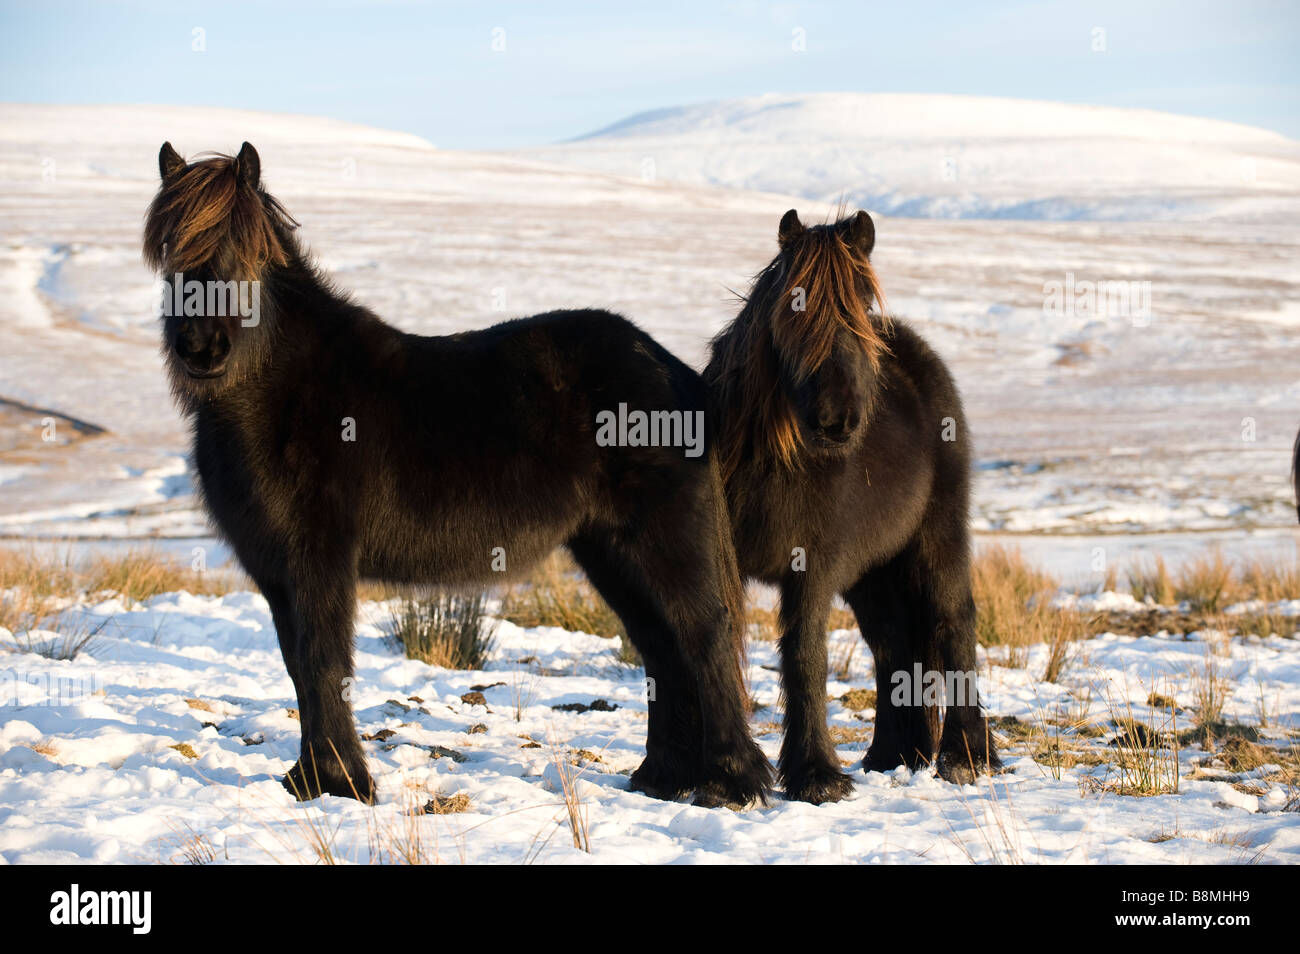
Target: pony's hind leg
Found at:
810, 769
669, 600
282, 617
893, 618
966, 747
671, 769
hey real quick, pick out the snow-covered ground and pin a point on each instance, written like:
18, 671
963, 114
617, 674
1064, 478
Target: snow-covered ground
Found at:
169, 733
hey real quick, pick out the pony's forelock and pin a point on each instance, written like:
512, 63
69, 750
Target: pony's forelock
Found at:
838, 290
827, 275
206, 216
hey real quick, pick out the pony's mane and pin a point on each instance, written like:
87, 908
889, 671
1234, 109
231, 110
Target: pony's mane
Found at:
205, 215
838, 288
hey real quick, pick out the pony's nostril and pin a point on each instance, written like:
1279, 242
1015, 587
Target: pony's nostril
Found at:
220, 347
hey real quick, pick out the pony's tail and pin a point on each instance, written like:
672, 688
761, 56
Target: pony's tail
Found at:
733, 588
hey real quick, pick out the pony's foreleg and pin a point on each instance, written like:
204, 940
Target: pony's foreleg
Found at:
331, 760
810, 769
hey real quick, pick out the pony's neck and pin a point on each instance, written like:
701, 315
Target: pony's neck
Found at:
304, 303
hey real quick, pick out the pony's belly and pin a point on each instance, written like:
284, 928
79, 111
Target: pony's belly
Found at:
458, 552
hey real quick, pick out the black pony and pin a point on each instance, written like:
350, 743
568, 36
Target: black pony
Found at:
1295, 473
331, 446
847, 466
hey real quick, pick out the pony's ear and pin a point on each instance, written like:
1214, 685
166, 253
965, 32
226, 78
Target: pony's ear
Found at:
248, 167
169, 161
860, 232
789, 229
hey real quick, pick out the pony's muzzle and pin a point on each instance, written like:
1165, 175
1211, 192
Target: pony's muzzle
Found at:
202, 348
835, 428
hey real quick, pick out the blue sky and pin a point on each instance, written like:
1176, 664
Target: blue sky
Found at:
570, 67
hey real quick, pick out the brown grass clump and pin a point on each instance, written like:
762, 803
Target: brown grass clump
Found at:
1146, 751
1210, 583
557, 594
444, 629
33, 583
1210, 691
139, 575
447, 804
1013, 609
859, 699
1207, 584
1242, 755
1152, 581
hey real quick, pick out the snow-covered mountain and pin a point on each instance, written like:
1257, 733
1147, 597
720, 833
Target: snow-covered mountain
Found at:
933, 156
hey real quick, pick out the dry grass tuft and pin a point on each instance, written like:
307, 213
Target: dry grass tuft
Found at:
139, 575
762, 623
1210, 583
859, 699
1270, 582
1210, 691
33, 584
187, 846
1242, 755
444, 629
1146, 751
575, 810
557, 594
59, 638
1013, 609
447, 804
1207, 584
1152, 581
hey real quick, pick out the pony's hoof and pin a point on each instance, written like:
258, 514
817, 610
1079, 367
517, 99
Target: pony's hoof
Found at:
716, 795
742, 779
654, 780
819, 786
888, 758
963, 768
740, 788
305, 785
876, 762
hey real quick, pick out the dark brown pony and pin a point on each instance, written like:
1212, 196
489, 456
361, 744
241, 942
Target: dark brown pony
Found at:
1295, 474
847, 465
331, 446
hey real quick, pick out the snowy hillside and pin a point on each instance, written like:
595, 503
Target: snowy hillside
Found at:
1085, 423
960, 157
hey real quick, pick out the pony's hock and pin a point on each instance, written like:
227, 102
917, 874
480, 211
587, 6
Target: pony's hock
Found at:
430, 486
814, 389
